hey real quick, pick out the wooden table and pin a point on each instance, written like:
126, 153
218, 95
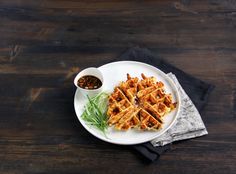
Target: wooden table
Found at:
43, 44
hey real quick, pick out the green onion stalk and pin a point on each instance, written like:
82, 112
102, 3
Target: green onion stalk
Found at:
95, 112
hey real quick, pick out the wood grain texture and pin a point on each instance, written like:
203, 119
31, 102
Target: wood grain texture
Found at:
43, 44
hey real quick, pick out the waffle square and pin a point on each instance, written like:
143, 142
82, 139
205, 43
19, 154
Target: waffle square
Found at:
140, 104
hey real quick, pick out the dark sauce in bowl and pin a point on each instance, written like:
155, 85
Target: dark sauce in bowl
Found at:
89, 82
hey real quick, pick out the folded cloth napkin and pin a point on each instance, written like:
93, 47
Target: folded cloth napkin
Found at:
189, 123
194, 94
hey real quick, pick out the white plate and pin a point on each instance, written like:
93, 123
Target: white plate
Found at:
114, 73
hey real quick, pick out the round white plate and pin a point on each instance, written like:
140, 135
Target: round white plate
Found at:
114, 73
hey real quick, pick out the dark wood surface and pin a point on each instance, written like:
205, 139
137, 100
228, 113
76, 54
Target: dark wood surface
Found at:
43, 44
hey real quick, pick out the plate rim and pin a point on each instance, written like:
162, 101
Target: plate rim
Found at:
147, 139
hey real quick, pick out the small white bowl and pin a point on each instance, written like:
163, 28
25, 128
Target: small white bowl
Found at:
93, 72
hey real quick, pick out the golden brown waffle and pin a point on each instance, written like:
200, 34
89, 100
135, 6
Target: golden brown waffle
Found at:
139, 103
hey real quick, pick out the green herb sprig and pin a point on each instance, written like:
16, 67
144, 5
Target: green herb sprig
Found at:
95, 112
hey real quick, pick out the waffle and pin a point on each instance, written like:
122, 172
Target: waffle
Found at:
140, 104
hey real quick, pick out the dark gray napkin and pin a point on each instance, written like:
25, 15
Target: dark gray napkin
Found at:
196, 89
